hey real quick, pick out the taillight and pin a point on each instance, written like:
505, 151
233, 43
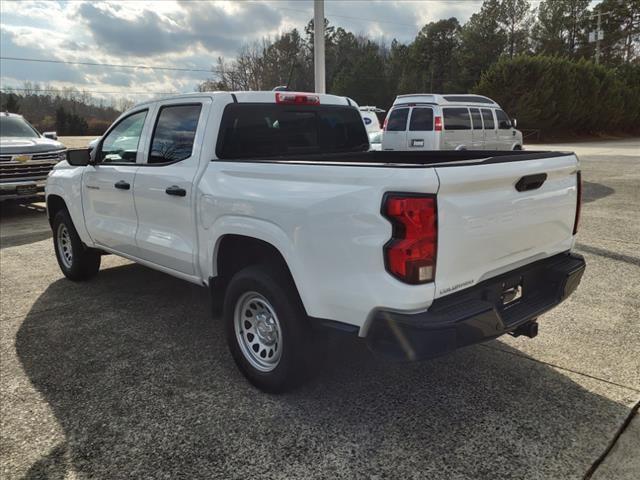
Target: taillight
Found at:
297, 98
578, 202
437, 124
411, 253
384, 124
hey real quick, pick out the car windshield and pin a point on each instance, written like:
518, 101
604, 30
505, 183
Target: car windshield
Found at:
16, 127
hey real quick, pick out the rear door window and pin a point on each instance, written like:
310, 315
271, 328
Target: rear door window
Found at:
398, 120
421, 120
174, 133
253, 130
456, 119
504, 123
476, 119
487, 117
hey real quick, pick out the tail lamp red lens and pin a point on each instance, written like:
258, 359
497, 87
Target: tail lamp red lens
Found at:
410, 255
384, 124
578, 202
437, 123
297, 98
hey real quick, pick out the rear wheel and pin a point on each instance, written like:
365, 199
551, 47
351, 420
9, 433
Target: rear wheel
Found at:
267, 331
76, 261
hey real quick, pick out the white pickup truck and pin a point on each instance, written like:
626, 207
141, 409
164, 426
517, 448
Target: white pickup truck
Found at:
273, 201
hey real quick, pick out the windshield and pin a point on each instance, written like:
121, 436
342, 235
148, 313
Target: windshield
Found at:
16, 127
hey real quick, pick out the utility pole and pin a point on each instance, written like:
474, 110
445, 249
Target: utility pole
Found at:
598, 37
318, 45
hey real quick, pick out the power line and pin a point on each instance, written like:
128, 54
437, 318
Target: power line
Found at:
113, 65
62, 91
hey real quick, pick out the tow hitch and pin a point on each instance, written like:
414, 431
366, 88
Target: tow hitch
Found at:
529, 329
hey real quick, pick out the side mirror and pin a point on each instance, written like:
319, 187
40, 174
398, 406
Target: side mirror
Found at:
78, 157
514, 123
50, 135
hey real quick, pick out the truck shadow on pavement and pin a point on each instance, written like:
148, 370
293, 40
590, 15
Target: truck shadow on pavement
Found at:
139, 379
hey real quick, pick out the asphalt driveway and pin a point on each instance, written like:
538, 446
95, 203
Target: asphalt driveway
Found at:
127, 376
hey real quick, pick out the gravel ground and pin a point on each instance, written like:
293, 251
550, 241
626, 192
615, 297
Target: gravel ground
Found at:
127, 376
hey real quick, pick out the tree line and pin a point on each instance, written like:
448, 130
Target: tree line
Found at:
447, 56
67, 111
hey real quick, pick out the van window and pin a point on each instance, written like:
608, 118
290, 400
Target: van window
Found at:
476, 120
421, 120
503, 120
253, 130
398, 120
173, 135
487, 117
456, 119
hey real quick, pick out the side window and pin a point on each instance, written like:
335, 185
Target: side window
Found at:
503, 120
476, 120
173, 135
456, 119
421, 120
487, 116
121, 143
398, 120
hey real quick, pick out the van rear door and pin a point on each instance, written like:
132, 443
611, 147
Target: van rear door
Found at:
497, 216
395, 132
421, 135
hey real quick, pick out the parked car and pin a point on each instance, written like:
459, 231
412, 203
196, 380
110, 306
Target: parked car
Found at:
449, 122
370, 118
375, 139
26, 157
273, 201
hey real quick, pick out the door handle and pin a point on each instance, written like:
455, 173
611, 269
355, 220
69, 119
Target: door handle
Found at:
122, 185
176, 190
531, 182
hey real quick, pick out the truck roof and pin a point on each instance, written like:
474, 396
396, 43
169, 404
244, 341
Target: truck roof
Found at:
257, 97
447, 99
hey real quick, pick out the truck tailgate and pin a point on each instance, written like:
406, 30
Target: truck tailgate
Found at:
486, 226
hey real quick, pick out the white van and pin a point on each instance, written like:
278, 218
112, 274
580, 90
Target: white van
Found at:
370, 119
448, 122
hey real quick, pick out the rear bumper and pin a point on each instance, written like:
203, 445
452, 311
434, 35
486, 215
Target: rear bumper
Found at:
477, 313
22, 189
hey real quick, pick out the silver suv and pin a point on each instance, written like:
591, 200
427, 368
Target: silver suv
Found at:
26, 157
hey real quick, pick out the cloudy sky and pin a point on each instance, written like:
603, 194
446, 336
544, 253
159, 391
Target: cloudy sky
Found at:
186, 35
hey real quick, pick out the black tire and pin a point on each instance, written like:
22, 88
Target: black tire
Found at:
82, 263
300, 350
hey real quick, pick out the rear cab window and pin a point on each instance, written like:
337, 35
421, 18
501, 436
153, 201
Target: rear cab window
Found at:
456, 119
398, 120
254, 130
421, 120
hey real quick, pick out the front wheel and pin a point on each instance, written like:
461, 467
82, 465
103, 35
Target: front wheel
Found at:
76, 261
267, 331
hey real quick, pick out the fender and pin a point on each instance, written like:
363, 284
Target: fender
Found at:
73, 200
261, 230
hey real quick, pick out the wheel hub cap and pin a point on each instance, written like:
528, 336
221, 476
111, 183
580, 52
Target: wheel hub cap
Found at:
258, 331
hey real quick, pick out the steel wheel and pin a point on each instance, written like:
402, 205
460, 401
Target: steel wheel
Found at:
258, 331
63, 243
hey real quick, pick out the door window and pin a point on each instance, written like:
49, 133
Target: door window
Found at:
503, 120
487, 117
421, 120
398, 120
121, 143
456, 119
174, 133
476, 120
